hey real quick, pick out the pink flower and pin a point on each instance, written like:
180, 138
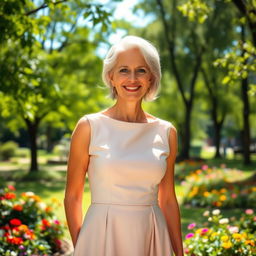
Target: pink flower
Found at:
56, 222
233, 229
204, 230
186, 250
191, 226
234, 195
249, 211
204, 167
189, 235
11, 187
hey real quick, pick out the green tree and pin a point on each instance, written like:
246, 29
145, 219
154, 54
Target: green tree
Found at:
240, 60
29, 58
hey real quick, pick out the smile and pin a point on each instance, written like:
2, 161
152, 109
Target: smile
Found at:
131, 88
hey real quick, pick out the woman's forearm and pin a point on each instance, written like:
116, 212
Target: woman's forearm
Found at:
73, 210
172, 216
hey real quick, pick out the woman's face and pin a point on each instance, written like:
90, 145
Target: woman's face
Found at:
131, 75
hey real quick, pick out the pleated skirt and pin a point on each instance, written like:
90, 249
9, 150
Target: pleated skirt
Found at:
123, 230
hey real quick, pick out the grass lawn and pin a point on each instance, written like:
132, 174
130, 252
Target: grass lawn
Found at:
49, 183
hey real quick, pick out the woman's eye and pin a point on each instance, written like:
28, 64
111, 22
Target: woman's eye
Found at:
123, 70
142, 70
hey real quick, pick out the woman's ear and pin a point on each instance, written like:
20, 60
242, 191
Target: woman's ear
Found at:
110, 75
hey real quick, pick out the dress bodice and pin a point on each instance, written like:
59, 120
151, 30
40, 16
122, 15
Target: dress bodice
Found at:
127, 160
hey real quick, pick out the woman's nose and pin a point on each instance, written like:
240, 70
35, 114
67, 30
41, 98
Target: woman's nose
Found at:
132, 76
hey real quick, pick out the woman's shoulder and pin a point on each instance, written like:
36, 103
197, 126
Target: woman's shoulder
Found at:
164, 122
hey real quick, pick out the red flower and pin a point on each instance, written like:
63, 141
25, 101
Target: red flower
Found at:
9, 195
57, 243
11, 187
14, 240
15, 222
46, 223
17, 207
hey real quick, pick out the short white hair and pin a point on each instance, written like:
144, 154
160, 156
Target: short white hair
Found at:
150, 54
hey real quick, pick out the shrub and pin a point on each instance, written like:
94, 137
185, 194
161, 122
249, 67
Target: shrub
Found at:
219, 237
27, 225
7, 150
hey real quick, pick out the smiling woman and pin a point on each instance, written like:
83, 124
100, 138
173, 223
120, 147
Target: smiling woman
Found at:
138, 55
129, 156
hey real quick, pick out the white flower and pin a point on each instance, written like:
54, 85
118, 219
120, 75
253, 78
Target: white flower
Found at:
216, 212
13, 253
41, 205
29, 193
206, 213
210, 219
223, 221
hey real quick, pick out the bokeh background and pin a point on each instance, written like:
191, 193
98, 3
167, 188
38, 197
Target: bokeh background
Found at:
50, 76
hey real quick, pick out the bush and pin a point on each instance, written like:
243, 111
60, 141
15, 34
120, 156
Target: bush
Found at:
27, 225
219, 237
7, 150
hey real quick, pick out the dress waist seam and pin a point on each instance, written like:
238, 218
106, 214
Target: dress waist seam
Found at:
126, 204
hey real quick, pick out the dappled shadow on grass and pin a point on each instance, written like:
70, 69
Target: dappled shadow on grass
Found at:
233, 163
43, 183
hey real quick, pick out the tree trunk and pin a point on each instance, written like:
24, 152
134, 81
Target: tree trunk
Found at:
246, 123
187, 133
32, 131
217, 137
246, 140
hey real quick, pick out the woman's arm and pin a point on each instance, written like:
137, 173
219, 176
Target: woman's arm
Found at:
76, 171
167, 197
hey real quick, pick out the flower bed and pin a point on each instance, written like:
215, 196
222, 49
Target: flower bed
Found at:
213, 187
27, 225
222, 236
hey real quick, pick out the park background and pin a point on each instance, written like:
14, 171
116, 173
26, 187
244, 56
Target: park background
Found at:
50, 76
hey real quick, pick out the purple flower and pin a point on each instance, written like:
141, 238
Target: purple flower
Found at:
189, 235
21, 247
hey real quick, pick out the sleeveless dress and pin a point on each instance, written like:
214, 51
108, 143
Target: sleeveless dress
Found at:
127, 163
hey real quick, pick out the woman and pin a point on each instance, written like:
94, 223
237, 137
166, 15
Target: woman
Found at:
129, 155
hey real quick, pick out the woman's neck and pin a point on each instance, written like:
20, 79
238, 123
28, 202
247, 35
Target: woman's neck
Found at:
128, 111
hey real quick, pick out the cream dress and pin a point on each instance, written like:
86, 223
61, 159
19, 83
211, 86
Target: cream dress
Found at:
127, 163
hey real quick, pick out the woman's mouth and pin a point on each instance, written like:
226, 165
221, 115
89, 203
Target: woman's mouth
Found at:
132, 88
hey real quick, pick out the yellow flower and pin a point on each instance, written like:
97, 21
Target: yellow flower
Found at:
227, 245
237, 236
223, 190
254, 189
223, 198
214, 234
214, 191
224, 238
244, 235
206, 194
198, 231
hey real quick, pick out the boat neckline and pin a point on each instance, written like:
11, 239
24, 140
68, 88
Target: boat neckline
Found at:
126, 122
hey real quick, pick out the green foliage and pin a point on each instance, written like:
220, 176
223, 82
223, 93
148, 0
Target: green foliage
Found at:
195, 10
7, 150
239, 62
